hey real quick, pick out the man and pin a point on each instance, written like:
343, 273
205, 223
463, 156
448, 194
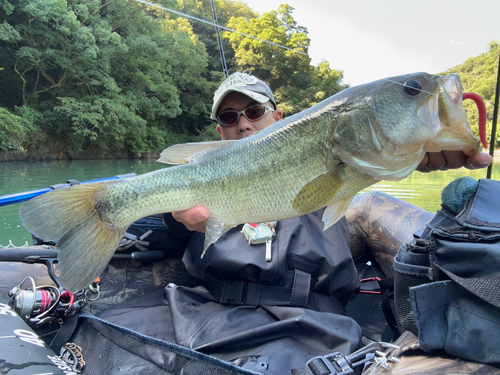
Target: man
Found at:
259, 312
280, 311
233, 101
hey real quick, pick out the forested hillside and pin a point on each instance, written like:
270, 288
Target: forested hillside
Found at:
119, 78
479, 75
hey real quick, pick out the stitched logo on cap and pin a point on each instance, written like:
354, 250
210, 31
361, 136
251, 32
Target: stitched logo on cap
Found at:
236, 80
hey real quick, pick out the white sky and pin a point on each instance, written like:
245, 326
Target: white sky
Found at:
373, 39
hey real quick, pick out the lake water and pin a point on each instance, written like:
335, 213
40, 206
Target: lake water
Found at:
423, 190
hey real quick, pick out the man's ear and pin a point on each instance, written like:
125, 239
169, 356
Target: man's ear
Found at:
277, 114
219, 130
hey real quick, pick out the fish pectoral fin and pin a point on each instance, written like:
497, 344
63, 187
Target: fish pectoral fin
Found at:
320, 191
335, 211
189, 152
214, 229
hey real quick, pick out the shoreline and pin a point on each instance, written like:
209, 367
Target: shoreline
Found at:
24, 156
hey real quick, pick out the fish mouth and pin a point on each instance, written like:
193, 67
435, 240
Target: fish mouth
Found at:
443, 112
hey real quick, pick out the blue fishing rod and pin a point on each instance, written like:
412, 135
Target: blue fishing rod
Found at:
27, 195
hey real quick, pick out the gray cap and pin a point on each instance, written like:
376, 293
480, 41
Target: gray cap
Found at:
246, 84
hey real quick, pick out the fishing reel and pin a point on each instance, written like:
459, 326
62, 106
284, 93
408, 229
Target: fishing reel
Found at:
44, 304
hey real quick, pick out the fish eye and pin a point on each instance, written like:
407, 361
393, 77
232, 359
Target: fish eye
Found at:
412, 87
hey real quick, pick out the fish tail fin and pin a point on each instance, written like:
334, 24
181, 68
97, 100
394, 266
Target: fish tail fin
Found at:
69, 217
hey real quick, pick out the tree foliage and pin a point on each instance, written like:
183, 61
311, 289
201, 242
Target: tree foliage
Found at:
120, 76
12, 130
113, 75
225, 10
296, 83
479, 75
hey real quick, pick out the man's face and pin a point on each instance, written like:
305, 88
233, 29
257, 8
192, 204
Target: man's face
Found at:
244, 128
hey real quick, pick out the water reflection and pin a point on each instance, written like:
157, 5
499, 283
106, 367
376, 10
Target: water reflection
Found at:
19, 177
424, 189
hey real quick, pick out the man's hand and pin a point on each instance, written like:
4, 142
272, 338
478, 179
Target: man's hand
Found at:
444, 160
193, 218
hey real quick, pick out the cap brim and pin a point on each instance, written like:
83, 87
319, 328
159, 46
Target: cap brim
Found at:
251, 94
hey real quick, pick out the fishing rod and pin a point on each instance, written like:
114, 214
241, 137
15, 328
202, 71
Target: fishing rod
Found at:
6, 200
494, 124
219, 40
40, 253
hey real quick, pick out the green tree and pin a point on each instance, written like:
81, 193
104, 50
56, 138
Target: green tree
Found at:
323, 83
296, 83
275, 65
12, 130
479, 75
202, 9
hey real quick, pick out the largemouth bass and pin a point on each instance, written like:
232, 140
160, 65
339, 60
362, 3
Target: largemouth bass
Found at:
320, 157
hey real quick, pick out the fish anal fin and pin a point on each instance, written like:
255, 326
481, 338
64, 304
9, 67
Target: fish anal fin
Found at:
214, 229
335, 211
189, 152
318, 192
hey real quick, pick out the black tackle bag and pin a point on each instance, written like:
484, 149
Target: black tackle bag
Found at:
447, 280
111, 349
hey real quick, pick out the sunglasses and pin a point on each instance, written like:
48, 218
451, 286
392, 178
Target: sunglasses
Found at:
252, 113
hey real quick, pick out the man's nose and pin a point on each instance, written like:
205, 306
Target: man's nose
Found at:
244, 124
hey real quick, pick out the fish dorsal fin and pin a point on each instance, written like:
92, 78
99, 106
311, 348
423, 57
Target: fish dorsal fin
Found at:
189, 152
320, 191
335, 211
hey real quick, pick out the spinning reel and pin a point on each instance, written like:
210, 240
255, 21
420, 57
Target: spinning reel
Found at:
44, 304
